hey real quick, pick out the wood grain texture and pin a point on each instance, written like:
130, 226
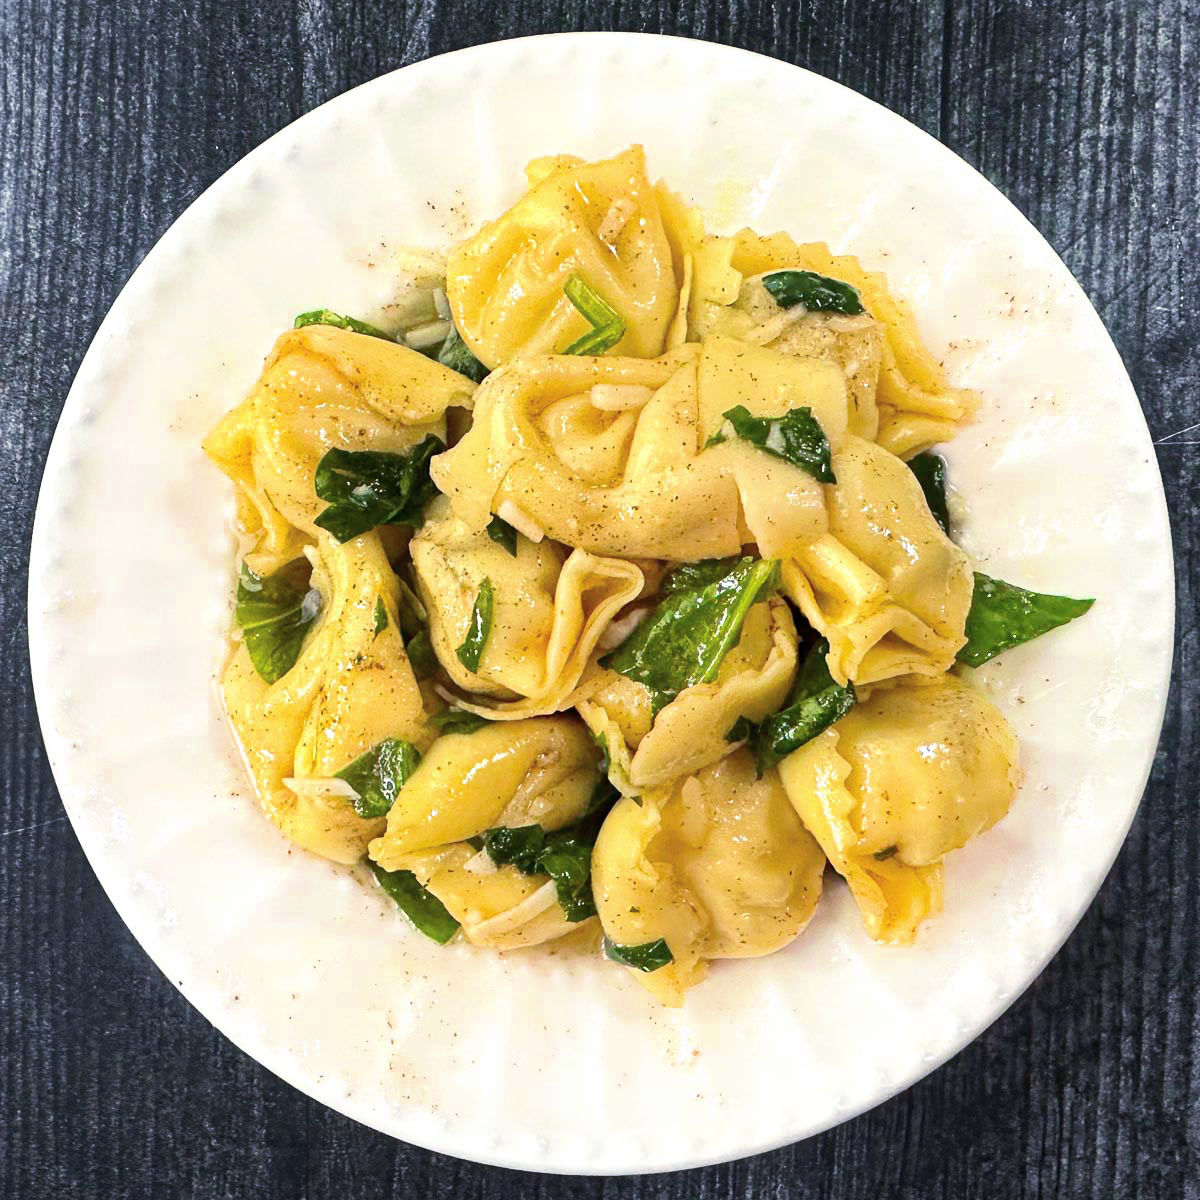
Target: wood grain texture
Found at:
114, 115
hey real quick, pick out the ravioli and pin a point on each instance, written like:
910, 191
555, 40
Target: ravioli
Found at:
532, 772
885, 585
551, 609
600, 220
551, 453
717, 866
323, 388
898, 392
350, 688
692, 731
907, 776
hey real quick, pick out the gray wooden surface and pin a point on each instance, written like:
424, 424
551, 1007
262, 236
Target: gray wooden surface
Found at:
114, 114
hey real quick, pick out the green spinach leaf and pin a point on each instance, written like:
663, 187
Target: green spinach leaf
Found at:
649, 956
565, 855
816, 292
687, 576
275, 614
379, 774
796, 437
608, 326
742, 730
503, 534
421, 656
417, 903
816, 702
326, 316
455, 355
456, 720
366, 488
479, 629
381, 617
1003, 615
930, 470
684, 641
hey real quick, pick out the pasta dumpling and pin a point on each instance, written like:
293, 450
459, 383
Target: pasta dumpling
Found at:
322, 388
600, 220
717, 866
610, 455
540, 771
691, 731
533, 772
550, 609
908, 775
350, 688
885, 586
898, 393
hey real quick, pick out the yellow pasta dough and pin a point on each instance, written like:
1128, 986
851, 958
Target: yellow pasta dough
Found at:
349, 689
548, 452
321, 388
886, 586
718, 866
910, 774
599, 220
899, 395
518, 773
551, 608
691, 731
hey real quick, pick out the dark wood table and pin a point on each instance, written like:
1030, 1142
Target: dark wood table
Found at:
115, 114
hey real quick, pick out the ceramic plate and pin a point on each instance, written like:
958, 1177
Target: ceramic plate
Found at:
532, 1060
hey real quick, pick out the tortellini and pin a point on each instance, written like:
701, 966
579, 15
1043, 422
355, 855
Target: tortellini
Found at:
692, 730
534, 772
657, 620
910, 774
323, 387
610, 455
886, 586
350, 688
718, 866
898, 394
600, 220
551, 608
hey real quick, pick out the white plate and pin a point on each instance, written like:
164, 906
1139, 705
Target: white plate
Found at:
530, 1060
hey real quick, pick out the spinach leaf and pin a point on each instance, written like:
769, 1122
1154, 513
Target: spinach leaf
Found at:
884, 854
649, 956
274, 614
503, 534
421, 656
455, 720
517, 846
381, 617
379, 774
816, 702
1003, 615
480, 628
684, 641
325, 316
817, 293
930, 470
565, 855
366, 488
455, 355
417, 903
697, 574
608, 326
742, 730
796, 437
